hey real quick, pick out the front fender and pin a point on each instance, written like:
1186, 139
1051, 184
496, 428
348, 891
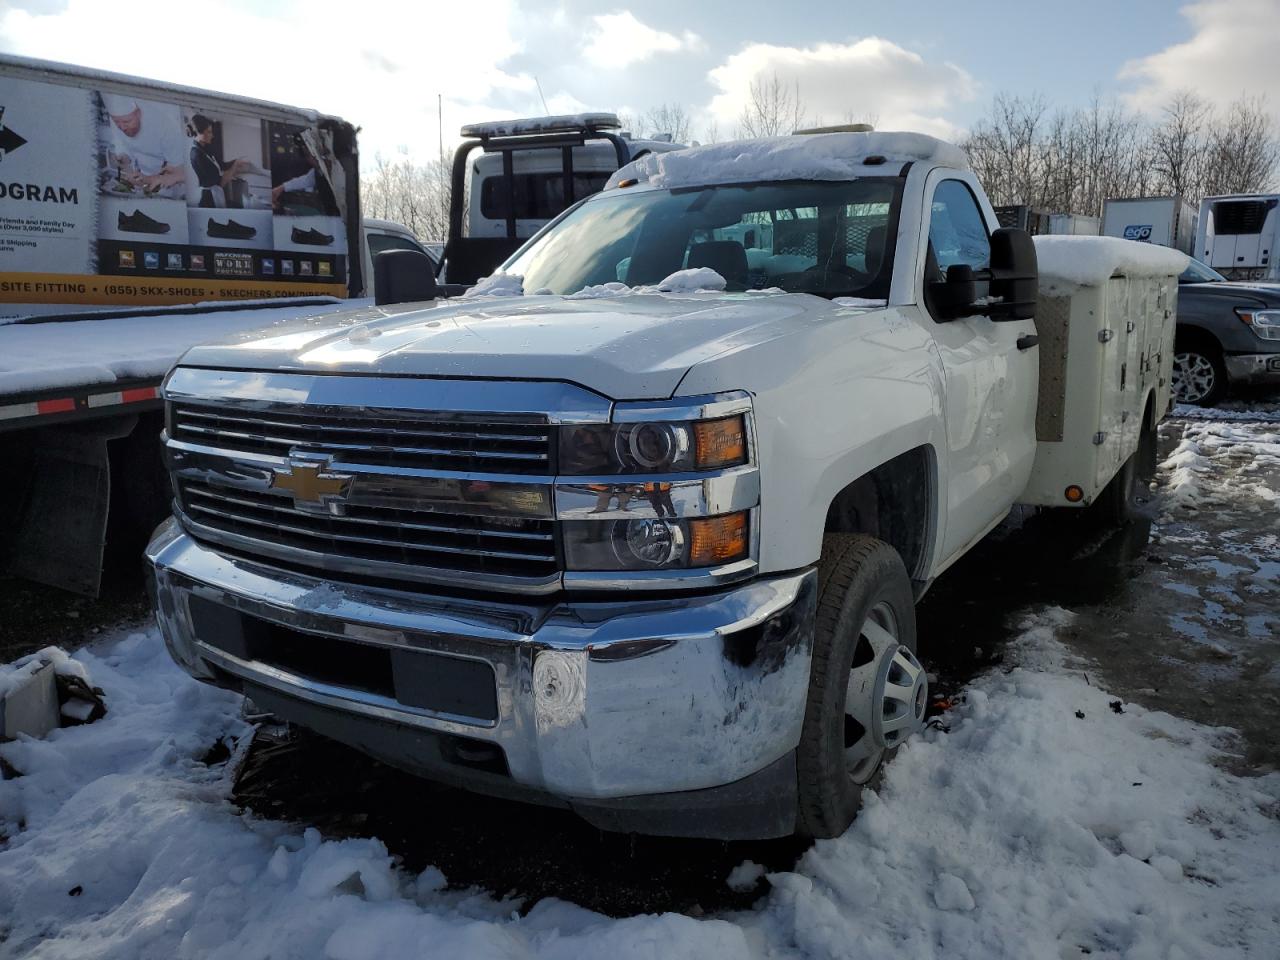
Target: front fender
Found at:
832, 402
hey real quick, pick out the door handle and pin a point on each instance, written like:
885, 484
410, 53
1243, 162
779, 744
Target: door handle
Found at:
1027, 341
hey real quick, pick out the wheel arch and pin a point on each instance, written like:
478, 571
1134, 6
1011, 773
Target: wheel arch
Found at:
1151, 417
897, 502
1194, 333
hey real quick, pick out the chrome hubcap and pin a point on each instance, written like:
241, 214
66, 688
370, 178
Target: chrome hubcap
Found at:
886, 697
1193, 376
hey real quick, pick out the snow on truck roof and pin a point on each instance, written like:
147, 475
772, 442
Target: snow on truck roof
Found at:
1091, 261
822, 156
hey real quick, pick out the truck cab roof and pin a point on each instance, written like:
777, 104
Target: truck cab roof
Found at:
821, 156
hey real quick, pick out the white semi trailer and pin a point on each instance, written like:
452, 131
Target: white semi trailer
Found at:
1237, 235
1167, 221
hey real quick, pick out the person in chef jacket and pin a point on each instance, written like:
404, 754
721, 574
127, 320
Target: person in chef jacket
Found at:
147, 143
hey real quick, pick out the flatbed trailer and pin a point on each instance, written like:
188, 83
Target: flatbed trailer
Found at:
80, 423
141, 218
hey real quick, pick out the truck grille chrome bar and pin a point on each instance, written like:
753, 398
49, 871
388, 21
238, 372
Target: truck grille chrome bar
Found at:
405, 544
371, 438
369, 493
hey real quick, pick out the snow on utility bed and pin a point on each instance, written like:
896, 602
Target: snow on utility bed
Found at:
818, 156
49, 355
1091, 261
1026, 831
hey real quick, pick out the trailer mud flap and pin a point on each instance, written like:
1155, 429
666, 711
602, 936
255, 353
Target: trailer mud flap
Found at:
60, 536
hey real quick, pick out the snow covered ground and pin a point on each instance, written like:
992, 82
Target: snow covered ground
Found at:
1041, 823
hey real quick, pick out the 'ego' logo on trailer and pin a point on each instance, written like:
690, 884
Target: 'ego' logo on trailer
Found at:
1138, 231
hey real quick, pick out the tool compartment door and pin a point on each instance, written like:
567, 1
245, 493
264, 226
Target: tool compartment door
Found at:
1113, 358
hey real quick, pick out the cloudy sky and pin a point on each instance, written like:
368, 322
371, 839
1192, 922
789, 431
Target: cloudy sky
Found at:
930, 65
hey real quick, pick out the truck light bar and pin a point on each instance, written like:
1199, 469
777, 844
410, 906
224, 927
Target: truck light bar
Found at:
564, 123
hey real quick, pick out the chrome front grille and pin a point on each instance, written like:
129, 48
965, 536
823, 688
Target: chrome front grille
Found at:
368, 539
395, 481
380, 439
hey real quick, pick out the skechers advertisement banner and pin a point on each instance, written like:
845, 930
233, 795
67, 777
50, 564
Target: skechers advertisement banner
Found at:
110, 198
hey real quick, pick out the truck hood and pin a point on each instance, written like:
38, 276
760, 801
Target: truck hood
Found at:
631, 347
1239, 290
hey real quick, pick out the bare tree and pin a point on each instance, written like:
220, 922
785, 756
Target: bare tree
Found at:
414, 194
1004, 149
671, 118
775, 108
1241, 152
628, 123
1070, 161
1178, 142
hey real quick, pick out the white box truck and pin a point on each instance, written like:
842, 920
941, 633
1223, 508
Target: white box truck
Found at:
1074, 225
1236, 235
1168, 221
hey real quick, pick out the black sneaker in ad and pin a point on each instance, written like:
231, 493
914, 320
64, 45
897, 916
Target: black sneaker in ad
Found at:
230, 230
313, 237
139, 222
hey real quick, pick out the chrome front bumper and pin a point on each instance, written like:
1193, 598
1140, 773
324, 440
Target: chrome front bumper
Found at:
1253, 368
595, 701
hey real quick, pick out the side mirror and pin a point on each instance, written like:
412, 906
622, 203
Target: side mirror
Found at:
1015, 283
954, 297
403, 276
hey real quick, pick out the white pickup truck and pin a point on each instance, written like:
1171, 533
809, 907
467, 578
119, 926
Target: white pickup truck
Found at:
645, 542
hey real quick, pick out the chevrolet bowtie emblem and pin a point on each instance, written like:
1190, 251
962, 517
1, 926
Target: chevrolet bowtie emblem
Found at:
311, 483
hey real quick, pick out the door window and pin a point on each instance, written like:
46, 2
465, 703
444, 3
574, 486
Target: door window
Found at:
957, 235
957, 231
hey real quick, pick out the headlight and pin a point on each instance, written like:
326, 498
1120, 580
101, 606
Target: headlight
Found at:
656, 544
1265, 323
676, 446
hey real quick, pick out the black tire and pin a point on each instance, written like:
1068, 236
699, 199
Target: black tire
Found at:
856, 576
1124, 499
1199, 373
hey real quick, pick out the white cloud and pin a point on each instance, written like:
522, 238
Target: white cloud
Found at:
1232, 51
871, 77
381, 69
619, 40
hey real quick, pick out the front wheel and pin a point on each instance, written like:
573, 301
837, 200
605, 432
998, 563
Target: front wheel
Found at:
867, 690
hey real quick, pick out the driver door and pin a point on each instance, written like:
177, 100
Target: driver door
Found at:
991, 381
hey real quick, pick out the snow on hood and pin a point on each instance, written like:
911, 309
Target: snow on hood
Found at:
629, 346
497, 285
820, 156
693, 280
1091, 261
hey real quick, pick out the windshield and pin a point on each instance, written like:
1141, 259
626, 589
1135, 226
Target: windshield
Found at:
1198, 272
829, 238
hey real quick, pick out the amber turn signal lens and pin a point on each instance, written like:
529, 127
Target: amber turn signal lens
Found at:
715, 540
720, 443
1073, 494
